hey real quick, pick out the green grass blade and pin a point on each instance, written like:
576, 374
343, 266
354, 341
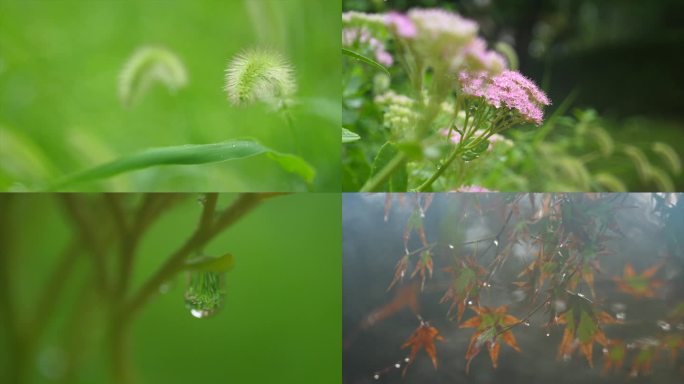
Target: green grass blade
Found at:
365, 59
186, 155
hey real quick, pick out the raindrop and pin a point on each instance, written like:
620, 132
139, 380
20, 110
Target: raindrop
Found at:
406, 359
376, 376
205, 293
470, 302
526, 323
402, 274
451, 246
665, 326
397, 365
548, 334
581, 295
496, 242
620, 315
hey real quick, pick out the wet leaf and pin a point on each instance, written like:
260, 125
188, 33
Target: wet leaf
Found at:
493, 326
423, 338
639, 286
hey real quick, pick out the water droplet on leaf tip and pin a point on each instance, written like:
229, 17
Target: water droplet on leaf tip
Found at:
397, 365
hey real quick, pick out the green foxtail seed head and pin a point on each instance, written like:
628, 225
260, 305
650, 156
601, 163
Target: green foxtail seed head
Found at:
259, 75
146, 66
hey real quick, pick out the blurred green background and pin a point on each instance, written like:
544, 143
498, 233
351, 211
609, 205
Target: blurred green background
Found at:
280, 323
60, 113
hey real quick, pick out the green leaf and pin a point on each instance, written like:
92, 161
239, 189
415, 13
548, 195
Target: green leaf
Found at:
365, 59
398, 182
349, 136
211, 264
293, 164
189, 154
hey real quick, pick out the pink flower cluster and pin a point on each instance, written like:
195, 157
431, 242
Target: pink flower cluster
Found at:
509, 89
447, 37
363, 36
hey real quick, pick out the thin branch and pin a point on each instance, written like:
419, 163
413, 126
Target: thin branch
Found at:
86, 229
202, 235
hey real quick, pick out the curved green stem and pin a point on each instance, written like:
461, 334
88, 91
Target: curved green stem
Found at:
443, 167
376, 181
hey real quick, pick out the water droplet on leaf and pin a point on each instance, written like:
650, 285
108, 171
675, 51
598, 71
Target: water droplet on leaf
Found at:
205, 293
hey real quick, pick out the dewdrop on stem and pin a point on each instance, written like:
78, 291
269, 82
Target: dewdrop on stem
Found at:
259, 75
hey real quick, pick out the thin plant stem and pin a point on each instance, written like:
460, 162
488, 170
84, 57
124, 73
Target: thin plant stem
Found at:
376, 181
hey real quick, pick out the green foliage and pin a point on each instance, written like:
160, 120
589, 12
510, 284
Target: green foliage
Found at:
63, 65
189, 154
365, 59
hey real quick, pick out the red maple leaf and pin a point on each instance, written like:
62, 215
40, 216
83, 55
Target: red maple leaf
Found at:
639, 286
423, 338
493, 327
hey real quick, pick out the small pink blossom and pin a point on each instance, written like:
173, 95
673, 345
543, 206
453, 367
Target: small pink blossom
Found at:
472, 189
383, 57
403, 26
509, 89
351, 36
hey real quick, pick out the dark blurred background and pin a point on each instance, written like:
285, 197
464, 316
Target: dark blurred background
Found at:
623, 56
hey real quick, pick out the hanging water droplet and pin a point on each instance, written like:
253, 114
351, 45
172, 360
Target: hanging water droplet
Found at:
665, 326
620, 315
205, 293
470, 302
548, 334
526, 323
451, 246
397, 365
407, 359
376, 376
496, 242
